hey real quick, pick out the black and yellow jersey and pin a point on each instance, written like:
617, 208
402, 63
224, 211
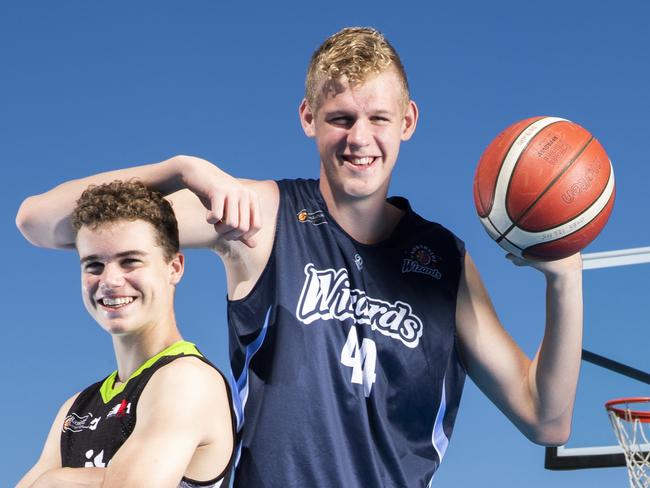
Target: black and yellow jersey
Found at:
103, 416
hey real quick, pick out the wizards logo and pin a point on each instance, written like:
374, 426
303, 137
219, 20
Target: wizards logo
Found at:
421, 260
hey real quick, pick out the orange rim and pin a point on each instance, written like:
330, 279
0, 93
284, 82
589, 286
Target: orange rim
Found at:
627, 413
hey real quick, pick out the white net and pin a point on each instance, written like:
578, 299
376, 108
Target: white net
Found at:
632, 435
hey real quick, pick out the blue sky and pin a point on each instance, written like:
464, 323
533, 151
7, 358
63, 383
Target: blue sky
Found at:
89, 86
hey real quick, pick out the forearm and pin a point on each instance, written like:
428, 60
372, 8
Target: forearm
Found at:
71, 478
553, 374
44, 219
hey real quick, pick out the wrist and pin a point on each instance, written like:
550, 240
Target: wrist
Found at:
183, 172
191, 172
569, 268
564, 277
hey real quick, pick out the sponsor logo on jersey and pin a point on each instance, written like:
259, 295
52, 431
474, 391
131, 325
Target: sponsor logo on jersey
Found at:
77, 423
326, 294
358, 261
120, 410
316, 217
421, 260
95, 461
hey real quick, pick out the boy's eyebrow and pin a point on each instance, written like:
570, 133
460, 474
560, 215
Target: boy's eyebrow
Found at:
383, 112
337, 111
340, 112
97, 257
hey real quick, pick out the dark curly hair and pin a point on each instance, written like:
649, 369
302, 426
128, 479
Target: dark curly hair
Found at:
128, 200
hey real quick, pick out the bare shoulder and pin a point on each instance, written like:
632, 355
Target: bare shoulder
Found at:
63, 412
68, 403
268, 195
189, 376
267, 189
191, 396
269, 200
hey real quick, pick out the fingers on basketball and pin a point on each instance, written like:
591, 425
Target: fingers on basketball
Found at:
516, 260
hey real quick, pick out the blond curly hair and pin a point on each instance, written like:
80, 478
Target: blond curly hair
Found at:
356, 53
128, 200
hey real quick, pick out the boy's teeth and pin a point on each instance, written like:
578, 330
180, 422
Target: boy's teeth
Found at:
113, 302
362, 161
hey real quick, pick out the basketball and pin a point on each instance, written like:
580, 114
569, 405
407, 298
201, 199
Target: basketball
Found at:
544, 188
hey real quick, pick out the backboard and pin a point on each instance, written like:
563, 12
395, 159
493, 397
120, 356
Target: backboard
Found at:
615, 358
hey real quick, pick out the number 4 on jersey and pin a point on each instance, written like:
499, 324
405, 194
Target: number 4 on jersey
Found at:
362, 360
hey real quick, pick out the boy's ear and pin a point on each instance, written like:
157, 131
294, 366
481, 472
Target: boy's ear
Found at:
176, 268
307, 118
410, 120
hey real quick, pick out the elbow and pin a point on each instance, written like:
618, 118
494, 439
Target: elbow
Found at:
36, 227
550, 435
182, 160
25, 220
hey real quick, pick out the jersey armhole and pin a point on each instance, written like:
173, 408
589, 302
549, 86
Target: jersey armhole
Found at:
227, 471
457, 350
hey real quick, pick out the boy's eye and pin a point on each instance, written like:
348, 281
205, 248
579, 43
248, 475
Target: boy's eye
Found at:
341, 120
93, 268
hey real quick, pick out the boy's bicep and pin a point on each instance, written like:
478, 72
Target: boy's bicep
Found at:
50, 457
174, 415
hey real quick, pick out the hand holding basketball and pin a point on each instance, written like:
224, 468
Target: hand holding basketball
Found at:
551, 269
544, 188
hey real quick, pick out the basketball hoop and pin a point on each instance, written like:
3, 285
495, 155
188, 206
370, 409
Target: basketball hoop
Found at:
632, 429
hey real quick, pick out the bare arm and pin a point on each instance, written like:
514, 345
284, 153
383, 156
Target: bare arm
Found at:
71, 478
235, 218
216, 207
44, 219
184, 428
51, 454
537, 395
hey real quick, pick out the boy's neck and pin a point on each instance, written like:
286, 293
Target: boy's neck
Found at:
131, 351
367, 220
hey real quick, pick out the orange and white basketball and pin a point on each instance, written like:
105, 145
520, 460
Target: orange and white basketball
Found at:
544, 188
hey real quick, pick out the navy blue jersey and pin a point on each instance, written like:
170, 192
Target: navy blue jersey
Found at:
344, 356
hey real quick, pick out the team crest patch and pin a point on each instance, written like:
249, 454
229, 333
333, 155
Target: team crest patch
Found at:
77, 423
421, 260
316, 217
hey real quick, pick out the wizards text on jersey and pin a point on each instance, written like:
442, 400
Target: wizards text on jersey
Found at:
326, 294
